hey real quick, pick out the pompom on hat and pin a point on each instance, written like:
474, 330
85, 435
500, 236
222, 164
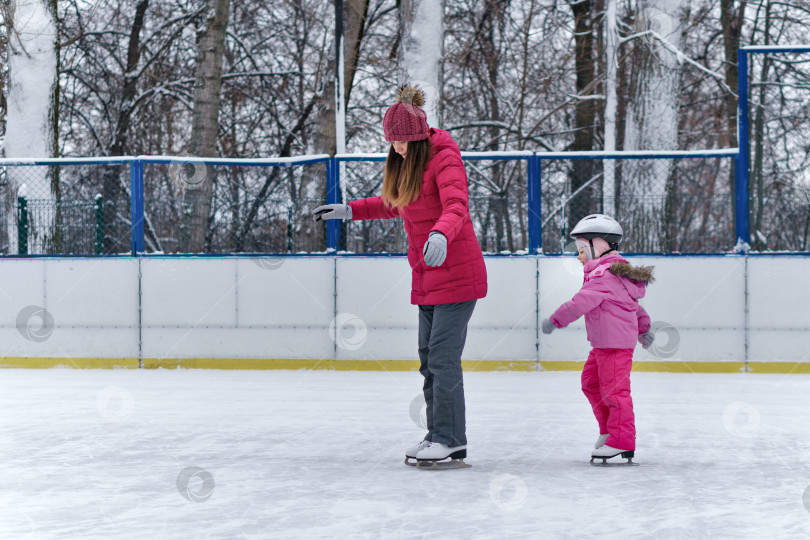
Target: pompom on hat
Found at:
406, 120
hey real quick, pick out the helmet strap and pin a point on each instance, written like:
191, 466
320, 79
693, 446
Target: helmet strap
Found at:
593, 250
613, 247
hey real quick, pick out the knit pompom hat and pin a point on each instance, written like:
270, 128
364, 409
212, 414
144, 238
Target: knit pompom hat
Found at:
406, 120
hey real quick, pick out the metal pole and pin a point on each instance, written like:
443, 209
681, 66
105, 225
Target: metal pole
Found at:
289, 229
136, 206
340, 120
99, 224
741, 178
535, 210
22, 226
332, 197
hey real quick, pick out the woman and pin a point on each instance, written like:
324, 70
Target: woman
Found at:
426, 185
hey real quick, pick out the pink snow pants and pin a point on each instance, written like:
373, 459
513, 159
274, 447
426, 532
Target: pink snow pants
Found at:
606, 384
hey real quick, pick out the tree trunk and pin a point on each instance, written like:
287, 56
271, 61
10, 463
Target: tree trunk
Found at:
56, 237
205, 125
492, 18
354, 29
355, 13
732, 23
757, 190
115, 239
652, 121
421, 27
29, 128
611, 104
582, 170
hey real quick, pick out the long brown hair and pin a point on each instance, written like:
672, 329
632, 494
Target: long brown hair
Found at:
402, 182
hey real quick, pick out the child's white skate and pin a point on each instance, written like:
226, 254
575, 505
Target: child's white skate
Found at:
438, 456
606, 452
410, 453
601, 440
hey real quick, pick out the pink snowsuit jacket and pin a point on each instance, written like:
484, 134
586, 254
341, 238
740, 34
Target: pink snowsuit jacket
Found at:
609, 302
441, 206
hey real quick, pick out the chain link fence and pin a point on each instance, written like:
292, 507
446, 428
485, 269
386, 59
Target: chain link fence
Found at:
663, 205
253, 208
359, 180
497, 201
65, 209
499, 204
779, 138
683, 204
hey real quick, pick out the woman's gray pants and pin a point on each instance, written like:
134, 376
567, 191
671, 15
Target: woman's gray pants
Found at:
442, 333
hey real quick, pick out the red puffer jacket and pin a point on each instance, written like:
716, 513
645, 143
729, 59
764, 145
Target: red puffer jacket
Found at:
441, 206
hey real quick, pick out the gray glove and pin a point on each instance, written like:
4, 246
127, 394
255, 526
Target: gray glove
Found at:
646, 339
548, 326
435, 251
332, 211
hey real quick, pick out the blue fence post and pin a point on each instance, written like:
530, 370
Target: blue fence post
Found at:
535, 209
136, 205
99, 224
22, 226
332, 197
742, 203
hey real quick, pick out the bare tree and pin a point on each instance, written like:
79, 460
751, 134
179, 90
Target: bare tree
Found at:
205, 124
420, 52
732, 19
652, 118
583, 171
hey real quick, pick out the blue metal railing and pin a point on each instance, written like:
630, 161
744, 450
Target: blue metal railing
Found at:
742, 171
136, 175
534, 161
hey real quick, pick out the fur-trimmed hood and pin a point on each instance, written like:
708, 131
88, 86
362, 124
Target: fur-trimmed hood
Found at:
642, 274
608, 300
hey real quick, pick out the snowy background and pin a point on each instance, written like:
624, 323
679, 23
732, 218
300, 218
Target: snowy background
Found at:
318, 454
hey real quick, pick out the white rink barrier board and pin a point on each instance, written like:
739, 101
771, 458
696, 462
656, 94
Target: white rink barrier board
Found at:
779, 309
711, 313
73, 311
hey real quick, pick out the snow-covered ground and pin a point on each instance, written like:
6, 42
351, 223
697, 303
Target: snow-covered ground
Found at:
318, 454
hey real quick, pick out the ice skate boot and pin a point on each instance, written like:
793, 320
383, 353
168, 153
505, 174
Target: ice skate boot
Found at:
606, 452
601, 440
410, 453
437, 456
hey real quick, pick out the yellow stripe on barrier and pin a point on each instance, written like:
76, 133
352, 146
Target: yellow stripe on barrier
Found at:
779, 367
33, 362
329, 364
30, 362
280, 363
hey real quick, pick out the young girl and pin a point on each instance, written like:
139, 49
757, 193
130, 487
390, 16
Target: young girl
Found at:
426, 185
614, 320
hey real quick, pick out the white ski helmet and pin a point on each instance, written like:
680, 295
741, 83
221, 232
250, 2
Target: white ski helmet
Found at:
598, 226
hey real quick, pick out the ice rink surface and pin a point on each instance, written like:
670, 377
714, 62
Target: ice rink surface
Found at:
197, 454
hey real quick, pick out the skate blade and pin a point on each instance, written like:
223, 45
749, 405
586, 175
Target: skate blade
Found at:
427, 465
606, 463
410, 463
